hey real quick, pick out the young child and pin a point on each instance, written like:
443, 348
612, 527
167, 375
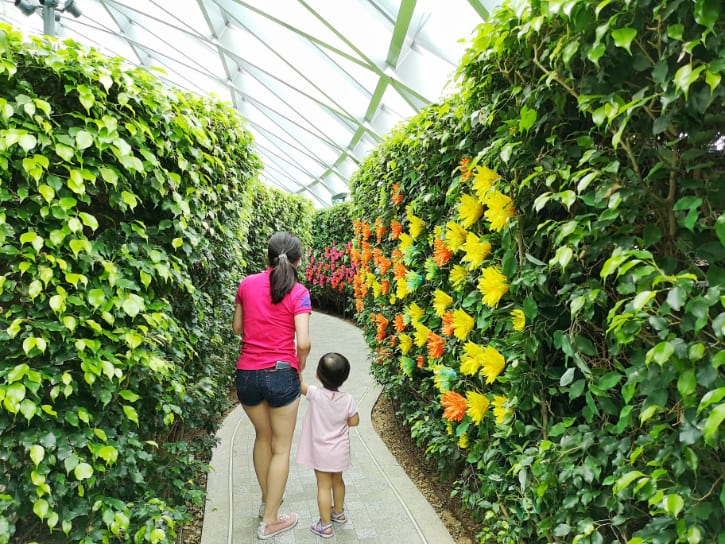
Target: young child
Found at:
324, 442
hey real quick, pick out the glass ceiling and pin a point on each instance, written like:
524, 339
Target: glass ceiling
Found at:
320, 82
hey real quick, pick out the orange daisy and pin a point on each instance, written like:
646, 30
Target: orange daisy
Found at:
454, 405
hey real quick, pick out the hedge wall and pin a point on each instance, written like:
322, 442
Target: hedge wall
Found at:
123, 204
542, 273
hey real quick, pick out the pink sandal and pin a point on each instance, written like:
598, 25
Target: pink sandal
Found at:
322, 530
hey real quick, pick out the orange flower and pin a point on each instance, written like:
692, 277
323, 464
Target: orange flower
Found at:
379, 229
448, 320
396, 227
435, 345
399, 271
466, 171
366, 253
382, 324
441, 254
420, 361
385, 287
384, 265
357, 224
393, 340
399, 323
397, 194
366, 231
397, 255
454, 405
359, 305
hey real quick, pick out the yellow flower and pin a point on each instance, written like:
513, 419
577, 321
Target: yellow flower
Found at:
406, 342
442, 377
499, 408
476, 250
371, 279
518, 319
455, 235
458, 276
449, 428
401, 288
493, 363
483, 181
470, 210
462, 324
415, 313
441, 301
492, 285
477, 406
405, 241
472, 359
500, 209
463, 441
377, 289
416, 225
421, 335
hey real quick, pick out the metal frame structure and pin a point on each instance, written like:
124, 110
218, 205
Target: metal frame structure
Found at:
320, 82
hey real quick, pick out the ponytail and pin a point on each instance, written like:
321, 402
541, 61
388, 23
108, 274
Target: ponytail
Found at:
284, 250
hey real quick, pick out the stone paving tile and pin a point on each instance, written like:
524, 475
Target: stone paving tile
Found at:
383, 506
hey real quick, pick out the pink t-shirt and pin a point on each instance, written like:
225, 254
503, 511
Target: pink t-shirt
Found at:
324, 441
269, 329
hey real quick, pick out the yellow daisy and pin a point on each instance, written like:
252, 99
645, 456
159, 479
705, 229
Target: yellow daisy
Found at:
405, 241
483, 181
462, 324
458, 276
463, 441
492, 285
421, 335
500, 210
518, 319
476, 250
455, 235
470, 210
472, 359
477, 406
499, 408
406, 342
401, 288
415, 225
415, 313
441, 301
492, 363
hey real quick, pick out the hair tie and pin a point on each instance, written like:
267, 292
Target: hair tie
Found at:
282, 256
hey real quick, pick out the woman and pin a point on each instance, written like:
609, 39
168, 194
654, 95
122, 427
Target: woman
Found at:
272, 315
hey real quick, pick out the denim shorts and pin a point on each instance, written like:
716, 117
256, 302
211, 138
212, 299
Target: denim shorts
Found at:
278, 387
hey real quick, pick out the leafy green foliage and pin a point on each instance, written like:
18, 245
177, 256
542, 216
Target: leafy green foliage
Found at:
603, 124
123, 204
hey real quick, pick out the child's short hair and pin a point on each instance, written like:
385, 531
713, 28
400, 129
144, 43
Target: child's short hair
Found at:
332, 370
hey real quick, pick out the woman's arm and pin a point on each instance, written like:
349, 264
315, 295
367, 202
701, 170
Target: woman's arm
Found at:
237, 320
302, 336
354, 420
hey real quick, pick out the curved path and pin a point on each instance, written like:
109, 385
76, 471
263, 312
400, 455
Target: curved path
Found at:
383, 505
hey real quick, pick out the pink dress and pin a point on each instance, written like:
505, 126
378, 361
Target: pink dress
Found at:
324, 442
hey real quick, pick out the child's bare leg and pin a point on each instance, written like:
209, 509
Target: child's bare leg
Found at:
338, 492
324, 500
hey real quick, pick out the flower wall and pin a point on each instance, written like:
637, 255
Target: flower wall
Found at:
329, 269
541, 270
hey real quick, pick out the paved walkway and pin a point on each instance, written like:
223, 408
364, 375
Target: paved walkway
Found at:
382, 504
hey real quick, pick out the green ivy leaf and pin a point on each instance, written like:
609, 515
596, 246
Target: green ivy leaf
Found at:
707, 13
131, 414
712, 424
83, 471
623, 37
37, 454
84, 140
720, 228
40, 508
673, 504
133, 304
